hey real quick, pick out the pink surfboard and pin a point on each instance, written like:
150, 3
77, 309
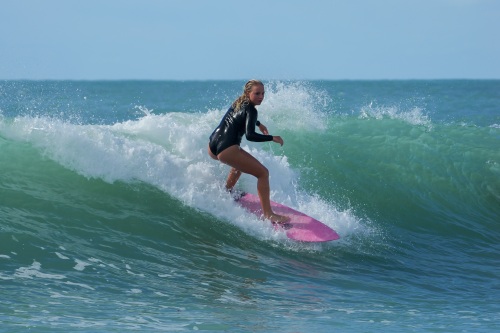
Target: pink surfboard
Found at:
300, 227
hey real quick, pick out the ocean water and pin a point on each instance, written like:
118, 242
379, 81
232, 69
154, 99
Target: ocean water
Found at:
113, 218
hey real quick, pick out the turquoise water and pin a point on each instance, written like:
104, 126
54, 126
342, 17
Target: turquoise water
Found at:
113, 217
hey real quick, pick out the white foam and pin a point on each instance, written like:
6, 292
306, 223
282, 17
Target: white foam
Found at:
33, 271
161, 294
414, 116
5, 277
294, 105
135, 291
82, 285
80, 265
61, 256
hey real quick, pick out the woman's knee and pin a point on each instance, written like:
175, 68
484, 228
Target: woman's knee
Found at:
263, 172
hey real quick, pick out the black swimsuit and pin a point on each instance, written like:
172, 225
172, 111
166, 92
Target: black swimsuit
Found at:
232, 127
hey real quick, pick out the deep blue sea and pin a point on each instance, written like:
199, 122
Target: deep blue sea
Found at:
113, 217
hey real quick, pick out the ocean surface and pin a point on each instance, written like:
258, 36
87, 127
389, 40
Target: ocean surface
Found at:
113, 218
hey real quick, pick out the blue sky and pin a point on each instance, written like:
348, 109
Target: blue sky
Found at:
265, 39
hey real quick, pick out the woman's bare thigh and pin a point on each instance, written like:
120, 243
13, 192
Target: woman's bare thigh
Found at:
241, 160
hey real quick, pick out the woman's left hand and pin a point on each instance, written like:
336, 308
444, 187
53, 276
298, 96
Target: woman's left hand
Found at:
263, 129
278, 139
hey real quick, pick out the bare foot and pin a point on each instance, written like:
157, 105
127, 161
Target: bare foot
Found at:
278, 219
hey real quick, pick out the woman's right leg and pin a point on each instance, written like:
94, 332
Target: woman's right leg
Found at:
233, 176
241, 160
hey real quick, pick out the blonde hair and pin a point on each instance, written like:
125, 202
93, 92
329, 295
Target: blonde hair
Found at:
244, 99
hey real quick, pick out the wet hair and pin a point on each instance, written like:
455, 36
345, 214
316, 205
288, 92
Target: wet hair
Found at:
243, 99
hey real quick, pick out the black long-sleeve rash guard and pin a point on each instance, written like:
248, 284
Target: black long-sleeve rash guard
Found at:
232, 127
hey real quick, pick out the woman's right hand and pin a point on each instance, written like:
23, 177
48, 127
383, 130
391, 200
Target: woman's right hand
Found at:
278, 139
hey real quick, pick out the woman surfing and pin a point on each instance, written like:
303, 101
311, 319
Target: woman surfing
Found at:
224, 144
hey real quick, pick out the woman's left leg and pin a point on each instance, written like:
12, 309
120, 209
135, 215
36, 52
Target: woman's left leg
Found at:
241, 160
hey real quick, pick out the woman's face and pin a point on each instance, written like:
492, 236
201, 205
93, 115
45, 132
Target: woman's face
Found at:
256, 95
